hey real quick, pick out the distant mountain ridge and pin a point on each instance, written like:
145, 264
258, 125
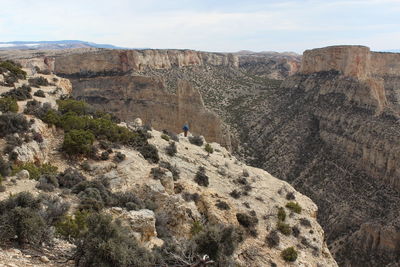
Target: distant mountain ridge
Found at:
53, 45
392, 51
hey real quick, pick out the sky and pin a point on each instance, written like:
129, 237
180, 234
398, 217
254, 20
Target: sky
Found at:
208, 25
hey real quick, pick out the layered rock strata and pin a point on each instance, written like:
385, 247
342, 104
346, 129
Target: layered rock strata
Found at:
333, 131
130, 97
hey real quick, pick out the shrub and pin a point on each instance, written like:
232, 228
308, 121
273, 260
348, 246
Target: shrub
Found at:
20, 94
71, 121
37, 137
78, 142
105, 155
218, 242
75, 106
11, 123
171, 135
10, 80
235, 194
38, 81
14, 68
208, 148
52, 117
284, 228
5, 168
241, 181
246, 220
272, 239
201, 178
8, 104
107, 243
12, 142
165, 137
47, 183
94, 195
39, 93
55, 208
13, 156
290, 196
73, 226
196, 140
35, 171
295, 231
119, 157
305, 222
127, 200
191, 197
196, 228
70, 177
171, 149
281, 214
222, 205
294, 206
149, 152
20, 217
289, 254
91, 199
105, 145
32, 107
173, 169
25, 224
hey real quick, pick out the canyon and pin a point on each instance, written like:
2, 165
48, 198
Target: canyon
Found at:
187, 201
330, 127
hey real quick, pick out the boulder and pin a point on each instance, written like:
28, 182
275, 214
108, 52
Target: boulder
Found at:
23, 175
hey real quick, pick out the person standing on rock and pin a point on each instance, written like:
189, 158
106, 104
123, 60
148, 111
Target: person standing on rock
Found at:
185, 129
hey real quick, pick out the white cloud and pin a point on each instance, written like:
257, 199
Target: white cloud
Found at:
255, 25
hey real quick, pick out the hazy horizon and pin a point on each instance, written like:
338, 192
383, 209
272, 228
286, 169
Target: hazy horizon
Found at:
223, 26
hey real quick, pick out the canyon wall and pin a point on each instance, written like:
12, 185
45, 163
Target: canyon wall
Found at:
130, 97
333, 132
373, 69
353, 61
123, 61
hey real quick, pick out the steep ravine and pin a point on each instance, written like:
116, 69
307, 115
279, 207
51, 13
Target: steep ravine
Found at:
333, 132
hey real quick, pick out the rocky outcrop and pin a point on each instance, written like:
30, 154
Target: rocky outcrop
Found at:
373, 69
189, 204
352, 61
130, 97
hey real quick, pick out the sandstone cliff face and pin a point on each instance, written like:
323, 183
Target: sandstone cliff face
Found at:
131, 97
122, 61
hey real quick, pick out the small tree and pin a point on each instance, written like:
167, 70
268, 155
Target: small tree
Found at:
289, 254
171, 149
201, 177
208, 148
78, 142
8, 104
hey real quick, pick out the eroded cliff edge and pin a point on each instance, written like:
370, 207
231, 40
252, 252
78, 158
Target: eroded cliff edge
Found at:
113, 80
333, 132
